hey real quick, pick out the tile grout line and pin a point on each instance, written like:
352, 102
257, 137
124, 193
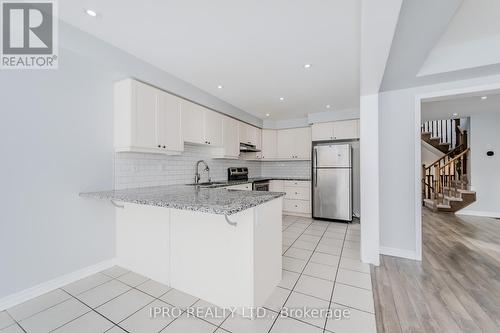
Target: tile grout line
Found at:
336, 274
301, 273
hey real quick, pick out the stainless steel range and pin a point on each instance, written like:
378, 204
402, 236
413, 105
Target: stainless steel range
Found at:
241, 173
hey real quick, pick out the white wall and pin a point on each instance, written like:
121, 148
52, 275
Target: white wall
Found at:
369, 175
485, 170
397, 144
430, 154
56, 141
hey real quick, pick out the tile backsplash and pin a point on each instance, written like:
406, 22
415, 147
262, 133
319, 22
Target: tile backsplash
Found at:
300, 169
140, 169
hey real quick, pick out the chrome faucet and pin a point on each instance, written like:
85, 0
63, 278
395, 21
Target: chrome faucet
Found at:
197, 176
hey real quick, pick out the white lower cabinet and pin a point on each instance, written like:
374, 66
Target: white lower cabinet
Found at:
302, 207
242, 187
298, 198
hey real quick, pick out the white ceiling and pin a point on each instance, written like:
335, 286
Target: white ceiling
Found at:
472, 39
255, 49
464, 105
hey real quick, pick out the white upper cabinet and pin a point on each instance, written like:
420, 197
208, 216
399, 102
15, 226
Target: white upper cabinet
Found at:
294, 143
347, 129
201, 125
169, 122
213, 128
146, 119
269, 142
302, 143
144, 115
230, 140
322, 131
192, 116
249, 134
338, 130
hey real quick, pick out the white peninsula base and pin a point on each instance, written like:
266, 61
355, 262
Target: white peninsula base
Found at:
202, 254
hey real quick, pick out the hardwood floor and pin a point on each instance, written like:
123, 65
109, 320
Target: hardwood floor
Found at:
456, 287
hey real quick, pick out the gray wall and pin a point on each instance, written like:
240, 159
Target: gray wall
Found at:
56, 134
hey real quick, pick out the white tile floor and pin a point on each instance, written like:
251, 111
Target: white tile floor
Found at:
321, 270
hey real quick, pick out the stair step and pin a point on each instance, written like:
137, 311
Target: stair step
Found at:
443, 206
466, 191
452, 198
444, 144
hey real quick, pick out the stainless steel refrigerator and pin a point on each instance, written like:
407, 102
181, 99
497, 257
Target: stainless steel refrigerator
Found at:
332, 181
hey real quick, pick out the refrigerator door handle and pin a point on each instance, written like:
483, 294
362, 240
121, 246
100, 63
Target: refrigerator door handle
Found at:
315, 157
316, 178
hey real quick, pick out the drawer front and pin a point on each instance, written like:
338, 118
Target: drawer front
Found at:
245, 187
297, 206
297, 183
298, 193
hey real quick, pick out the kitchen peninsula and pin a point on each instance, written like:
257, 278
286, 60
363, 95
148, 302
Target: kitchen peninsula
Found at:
221, 245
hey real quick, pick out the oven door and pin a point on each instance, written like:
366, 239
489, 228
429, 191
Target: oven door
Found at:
260, 186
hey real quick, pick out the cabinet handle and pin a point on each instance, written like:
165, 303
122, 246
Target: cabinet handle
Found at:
159, 146
163, 146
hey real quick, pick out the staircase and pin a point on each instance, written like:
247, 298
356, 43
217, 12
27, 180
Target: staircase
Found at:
445, 183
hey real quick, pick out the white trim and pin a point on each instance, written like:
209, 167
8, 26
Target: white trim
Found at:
478, 213
418, 157
45, 287
418, 180
402, 253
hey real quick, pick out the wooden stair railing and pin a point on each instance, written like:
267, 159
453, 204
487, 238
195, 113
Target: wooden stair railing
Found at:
446, 131
451, 167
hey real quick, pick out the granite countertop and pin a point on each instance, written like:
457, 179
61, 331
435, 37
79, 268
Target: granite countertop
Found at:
195, 198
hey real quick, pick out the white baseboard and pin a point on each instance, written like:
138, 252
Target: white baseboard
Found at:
391, 251
478, 213
45, 287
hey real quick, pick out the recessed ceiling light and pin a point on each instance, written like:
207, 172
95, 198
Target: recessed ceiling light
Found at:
455, 114
219, 87
484, 97
90, 12
327, 106
306, 66
267, 114
282, 98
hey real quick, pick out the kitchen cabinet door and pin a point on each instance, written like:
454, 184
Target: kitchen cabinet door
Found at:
242, 132
285, 141
322, 131
269, 142
230, 137
144, 115
213, 128
193, 130
252, 135
302, 143
169, 123
346, 129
